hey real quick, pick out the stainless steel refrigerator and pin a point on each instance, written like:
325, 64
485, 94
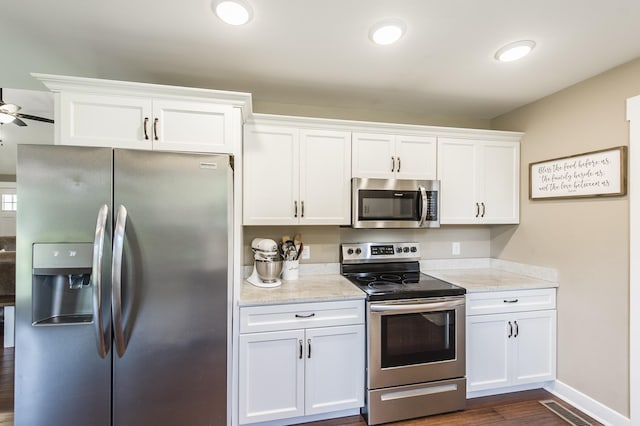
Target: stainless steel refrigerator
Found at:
122, 292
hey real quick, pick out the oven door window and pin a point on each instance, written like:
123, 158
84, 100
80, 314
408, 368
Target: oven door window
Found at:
417, 338
389, 205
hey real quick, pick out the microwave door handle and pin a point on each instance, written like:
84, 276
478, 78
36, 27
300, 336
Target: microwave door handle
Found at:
423, 214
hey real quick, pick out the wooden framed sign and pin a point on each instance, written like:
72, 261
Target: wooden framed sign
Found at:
592, 174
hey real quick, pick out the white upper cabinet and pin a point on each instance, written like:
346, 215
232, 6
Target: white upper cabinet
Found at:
91, 112
296, 176
479, 181
394, 157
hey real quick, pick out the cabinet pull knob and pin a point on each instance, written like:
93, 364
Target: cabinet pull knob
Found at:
393, 164
399, 165
300, 355
146, 134
483, 209
517, 329
477, 209
309, 348
155, 128
510, 330
302, 208
295, 209
311, 315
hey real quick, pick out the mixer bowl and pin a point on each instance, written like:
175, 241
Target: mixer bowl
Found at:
268, 270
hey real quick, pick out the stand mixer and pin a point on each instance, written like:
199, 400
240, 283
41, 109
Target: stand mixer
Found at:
267, 263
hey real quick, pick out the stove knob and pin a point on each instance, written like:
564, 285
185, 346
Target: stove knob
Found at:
398, 249
406, 249
358, 251
350, 251
414, 249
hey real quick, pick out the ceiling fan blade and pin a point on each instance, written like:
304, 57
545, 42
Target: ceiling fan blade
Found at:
19, 122
34, 117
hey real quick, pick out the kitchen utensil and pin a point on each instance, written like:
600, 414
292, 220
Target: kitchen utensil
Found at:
267, 263
300, 251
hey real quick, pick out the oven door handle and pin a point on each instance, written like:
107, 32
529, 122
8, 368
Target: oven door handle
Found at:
417, 307
423, 214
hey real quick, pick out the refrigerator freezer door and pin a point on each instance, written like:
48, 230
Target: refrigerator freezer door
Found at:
174, 288
61, 379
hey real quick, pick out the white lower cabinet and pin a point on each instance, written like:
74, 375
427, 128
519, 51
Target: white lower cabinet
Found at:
309, 364
513, 341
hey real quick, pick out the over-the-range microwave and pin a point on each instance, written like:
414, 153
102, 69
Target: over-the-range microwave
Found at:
395, 203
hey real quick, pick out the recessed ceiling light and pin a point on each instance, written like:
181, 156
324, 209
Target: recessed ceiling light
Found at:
515, 51
387, 32
233, 12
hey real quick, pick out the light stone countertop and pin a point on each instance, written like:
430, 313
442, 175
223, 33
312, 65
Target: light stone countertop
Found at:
489, 279
308, 288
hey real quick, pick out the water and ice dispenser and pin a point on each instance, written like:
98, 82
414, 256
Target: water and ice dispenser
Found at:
62, 291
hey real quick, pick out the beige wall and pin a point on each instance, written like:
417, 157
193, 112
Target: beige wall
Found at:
586, 240
325, 240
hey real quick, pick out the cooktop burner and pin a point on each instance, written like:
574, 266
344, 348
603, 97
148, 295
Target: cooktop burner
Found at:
394, 276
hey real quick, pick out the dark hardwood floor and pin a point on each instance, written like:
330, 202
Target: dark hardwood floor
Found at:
513, 409
521, 408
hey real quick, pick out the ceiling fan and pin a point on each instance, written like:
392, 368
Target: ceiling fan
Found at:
9, 114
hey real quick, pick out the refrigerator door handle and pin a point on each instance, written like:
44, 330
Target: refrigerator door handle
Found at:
116, 277
96, 278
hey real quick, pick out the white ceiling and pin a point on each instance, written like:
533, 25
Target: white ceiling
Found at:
317, 52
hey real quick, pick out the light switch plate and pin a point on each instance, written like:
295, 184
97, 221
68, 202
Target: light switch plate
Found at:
455, 249
306, 252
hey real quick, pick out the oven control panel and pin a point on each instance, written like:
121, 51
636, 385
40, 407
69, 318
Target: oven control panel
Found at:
379, 252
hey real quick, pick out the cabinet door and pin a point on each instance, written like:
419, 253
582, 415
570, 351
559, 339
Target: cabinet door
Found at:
104, 120
457, 171
271, 376
500, 179
325, 177
334, 371
416, 157
270, 178
193, 126
487, 351
373, 156
534, 352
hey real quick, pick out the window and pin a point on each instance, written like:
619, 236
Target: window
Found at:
9, 202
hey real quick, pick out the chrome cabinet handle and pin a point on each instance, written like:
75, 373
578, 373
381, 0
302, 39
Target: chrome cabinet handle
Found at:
393, 164
302, 208
309, 348
477, 209
311, 315
423, 195
155, 128
96, 278
116, 278
517, 329
483, 209
399, 165
146, 134
510, 330
295, 209
510, 300
300, 354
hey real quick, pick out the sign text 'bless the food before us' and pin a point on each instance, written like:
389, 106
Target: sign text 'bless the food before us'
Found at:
598, 173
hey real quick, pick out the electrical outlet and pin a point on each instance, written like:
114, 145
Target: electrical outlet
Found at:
306, 252
455, 249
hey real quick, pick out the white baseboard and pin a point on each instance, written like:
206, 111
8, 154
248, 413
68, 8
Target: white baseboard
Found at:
588, 405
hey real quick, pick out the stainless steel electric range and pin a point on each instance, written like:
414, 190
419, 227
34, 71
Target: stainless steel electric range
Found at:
415, 333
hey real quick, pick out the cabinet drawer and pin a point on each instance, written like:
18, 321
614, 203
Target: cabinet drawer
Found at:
510, 301
255, 319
